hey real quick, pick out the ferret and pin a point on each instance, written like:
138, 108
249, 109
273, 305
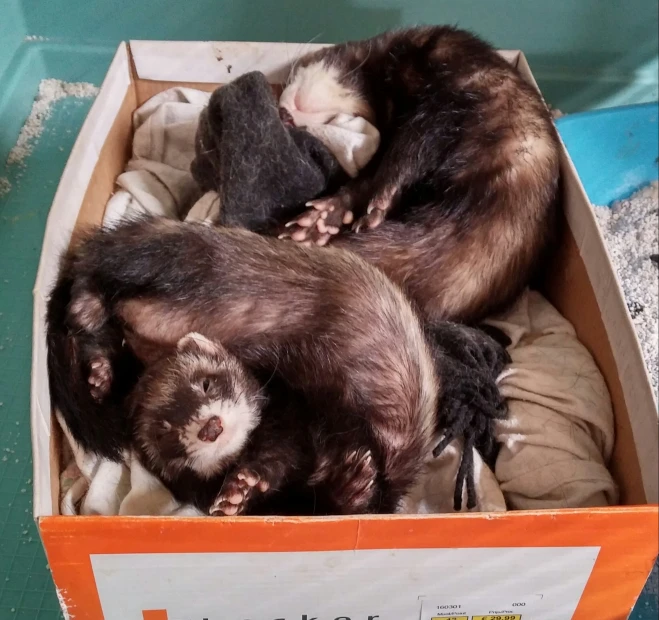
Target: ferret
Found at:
231, 445
328, 324
459, 203
205, 425
225, 442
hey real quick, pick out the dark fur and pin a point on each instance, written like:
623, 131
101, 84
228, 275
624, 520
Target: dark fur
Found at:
327, 323
324, 335
99, 424
466, 174
263, 170
281, 452
277, 450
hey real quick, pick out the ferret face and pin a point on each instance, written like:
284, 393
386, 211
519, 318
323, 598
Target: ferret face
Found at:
316, 93
199, 408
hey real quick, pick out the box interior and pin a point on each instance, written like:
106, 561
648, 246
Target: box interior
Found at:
568, 286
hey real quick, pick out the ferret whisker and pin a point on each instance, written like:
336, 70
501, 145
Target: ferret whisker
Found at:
300, 55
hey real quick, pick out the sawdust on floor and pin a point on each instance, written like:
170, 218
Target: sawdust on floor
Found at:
50, 91
631, 230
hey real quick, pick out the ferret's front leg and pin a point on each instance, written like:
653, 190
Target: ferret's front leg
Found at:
272, 459
242, 486
329, 214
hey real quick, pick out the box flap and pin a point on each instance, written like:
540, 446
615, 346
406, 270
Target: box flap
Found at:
218, 62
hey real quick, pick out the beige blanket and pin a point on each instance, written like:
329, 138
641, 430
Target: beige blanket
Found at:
558, 437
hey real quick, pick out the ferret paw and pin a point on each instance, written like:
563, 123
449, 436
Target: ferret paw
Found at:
376, 212
349, 481
317, 225
237, 489
100, 377
369, 221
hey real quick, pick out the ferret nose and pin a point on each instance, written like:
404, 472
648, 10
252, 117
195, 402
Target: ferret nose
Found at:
211, 430
286, 117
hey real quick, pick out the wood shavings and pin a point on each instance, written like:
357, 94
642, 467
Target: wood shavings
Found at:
50, 91
631, 230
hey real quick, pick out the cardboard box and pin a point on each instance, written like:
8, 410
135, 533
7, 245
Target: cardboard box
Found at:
541, 565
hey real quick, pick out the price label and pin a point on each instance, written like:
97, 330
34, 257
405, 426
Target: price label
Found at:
476, 607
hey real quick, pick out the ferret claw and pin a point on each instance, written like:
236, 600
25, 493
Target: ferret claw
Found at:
100, 377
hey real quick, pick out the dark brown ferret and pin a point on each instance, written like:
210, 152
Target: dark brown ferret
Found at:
459, 202
204, 425
328, 324
230, 444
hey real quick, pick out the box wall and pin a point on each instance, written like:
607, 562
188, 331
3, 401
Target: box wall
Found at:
628, 541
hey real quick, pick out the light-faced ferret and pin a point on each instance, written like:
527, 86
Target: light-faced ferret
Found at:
208, 429
459, 203
231, 445
324, 321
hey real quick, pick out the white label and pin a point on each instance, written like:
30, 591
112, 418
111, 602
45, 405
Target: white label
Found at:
401, 584
476, 607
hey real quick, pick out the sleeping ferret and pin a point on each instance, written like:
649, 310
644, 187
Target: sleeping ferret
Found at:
324, 321
458, 204
230, 444
206, 427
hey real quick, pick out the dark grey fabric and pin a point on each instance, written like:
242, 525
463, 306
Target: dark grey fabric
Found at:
263, 170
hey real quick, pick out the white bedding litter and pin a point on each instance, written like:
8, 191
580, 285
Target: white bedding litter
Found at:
559, 434
631, 231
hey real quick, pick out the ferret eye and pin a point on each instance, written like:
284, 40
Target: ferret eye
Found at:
206, 384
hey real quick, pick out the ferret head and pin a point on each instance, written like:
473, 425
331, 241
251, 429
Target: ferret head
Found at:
317, 91
196, 409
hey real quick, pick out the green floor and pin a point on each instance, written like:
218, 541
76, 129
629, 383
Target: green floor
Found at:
26, 591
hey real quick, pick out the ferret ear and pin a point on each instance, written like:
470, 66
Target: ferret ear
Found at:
197, 343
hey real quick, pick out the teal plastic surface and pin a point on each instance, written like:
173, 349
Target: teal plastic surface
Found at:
26, 589
616, 151
584, 54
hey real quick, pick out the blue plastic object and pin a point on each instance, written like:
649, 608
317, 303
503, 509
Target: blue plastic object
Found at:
615, 150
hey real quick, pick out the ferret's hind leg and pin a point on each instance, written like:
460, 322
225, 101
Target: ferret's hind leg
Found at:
348, 478
88, 317
100, 375
416, 149
345, 469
